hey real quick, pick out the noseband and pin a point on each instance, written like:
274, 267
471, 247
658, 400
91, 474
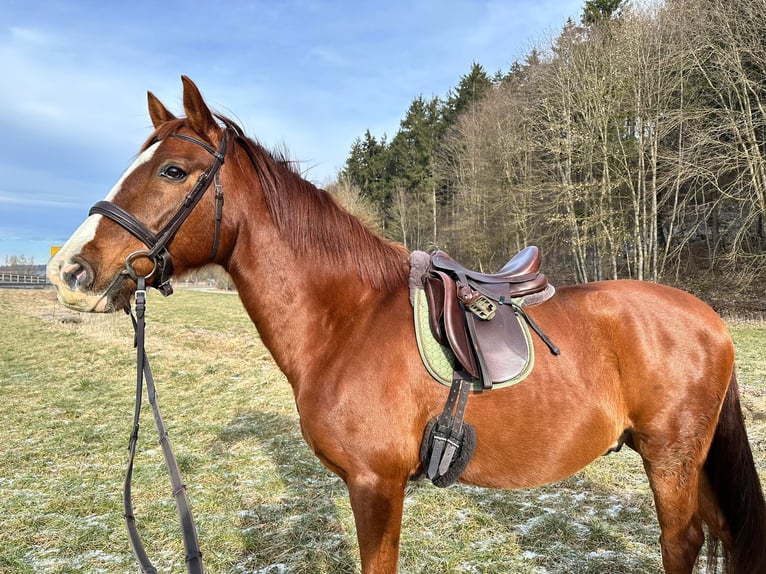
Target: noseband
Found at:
158, 242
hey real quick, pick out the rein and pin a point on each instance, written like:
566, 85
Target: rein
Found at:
163, 265
188, 529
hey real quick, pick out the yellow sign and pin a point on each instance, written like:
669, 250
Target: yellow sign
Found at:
55, 249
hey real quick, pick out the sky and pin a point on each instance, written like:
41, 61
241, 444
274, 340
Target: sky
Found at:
302, 75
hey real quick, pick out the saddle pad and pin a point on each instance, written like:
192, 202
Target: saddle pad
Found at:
440, 361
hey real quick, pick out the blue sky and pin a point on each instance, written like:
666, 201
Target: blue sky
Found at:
306, 75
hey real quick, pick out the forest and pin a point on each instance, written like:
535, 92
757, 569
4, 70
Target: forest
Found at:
631, 145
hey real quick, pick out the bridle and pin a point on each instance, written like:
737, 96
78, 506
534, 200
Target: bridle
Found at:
158, 242
163, 266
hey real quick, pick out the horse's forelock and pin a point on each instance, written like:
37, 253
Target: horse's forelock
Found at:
169, 127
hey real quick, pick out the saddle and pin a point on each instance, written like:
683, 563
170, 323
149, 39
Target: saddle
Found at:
475, 314
478, 316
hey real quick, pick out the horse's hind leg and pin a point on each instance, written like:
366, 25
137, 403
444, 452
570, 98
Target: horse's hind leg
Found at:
675, 488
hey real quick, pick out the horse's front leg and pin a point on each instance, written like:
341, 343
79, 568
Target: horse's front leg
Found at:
377, 505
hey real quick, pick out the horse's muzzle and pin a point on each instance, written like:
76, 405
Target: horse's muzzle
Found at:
74, 279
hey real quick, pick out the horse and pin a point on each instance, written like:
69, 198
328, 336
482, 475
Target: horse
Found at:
640, 363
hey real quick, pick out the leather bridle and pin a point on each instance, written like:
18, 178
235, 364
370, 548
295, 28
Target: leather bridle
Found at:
158, 242
163, 266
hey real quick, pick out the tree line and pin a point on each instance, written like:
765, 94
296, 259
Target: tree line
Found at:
632, 144
21, 265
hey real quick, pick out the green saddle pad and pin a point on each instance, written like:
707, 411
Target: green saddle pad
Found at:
440, 361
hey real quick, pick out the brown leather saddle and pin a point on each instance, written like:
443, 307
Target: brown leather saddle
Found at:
478, 316
475, 314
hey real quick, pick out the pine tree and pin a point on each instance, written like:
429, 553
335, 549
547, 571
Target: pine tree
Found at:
596, 11
471, 88
367, 168
411, 159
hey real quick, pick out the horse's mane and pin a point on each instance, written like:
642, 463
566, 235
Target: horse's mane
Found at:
310, 219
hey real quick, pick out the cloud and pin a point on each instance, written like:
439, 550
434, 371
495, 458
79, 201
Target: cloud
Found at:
28, 35
57, 99
329, 56
309, 75
34, 200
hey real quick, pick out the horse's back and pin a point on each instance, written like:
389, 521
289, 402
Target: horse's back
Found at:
628, 297
662, 340
655, 324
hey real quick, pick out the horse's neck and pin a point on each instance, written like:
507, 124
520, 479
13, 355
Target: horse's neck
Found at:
301, 306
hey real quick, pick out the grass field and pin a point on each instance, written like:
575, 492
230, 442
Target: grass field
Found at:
262, 502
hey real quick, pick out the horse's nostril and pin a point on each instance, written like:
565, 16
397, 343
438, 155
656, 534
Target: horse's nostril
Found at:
75, 275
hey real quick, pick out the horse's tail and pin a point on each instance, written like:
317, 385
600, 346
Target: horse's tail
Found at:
733, 477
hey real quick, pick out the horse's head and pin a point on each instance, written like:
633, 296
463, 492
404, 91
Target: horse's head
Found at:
157, 219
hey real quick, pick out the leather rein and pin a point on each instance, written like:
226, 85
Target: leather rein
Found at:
163, 265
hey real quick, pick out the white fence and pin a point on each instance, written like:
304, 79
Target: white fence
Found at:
21, 281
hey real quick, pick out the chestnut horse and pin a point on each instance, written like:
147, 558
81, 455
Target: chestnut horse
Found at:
641, 363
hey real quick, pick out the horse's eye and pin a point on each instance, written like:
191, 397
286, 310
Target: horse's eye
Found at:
173, 172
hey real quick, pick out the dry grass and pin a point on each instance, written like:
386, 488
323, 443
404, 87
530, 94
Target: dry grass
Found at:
263, 503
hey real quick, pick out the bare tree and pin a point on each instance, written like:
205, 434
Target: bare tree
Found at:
730, 62
351, 198
20, 264
629, 144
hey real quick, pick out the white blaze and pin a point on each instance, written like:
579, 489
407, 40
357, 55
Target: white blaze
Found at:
87, 230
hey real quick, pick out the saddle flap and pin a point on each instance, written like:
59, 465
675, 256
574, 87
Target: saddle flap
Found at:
434, 289
503, 345
447, 319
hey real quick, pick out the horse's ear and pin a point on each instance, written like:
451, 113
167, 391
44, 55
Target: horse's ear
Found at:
157, 111
197, 112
